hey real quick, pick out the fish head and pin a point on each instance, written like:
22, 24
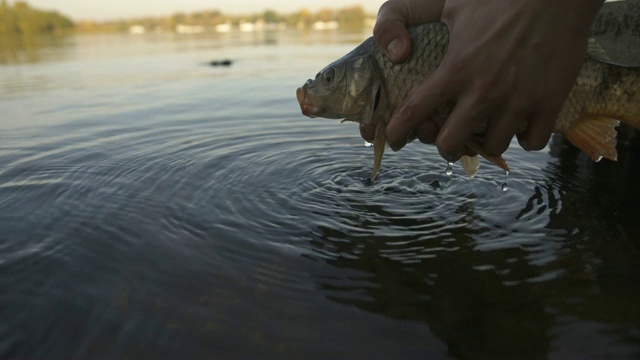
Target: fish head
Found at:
346, 89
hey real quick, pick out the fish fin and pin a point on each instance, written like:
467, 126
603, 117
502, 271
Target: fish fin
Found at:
379, 143
474, 144
596, 52
596, 136
470, 164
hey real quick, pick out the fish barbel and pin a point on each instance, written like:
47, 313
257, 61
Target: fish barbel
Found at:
363, 86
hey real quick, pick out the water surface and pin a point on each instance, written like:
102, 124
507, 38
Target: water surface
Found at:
153, 206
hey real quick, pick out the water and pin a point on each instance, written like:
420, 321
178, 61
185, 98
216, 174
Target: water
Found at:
154, 206
505, 185
449, 169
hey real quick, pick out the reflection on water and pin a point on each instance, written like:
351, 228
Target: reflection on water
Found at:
561, 265
532, 284
30, 49
154, 206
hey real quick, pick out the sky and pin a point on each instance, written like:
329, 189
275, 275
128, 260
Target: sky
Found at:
118, 9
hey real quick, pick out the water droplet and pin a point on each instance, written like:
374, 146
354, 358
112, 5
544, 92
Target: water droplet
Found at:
449, 169
367, 144
505, 186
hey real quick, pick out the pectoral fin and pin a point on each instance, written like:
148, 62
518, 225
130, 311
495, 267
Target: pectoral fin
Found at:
596, 136
470, 164
475, 145
379, 143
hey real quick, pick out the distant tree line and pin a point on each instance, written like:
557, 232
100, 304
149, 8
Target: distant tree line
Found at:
21, 19
350, 17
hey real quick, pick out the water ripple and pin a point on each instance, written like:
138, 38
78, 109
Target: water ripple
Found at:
312, 181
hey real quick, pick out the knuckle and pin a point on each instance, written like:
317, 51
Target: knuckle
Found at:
486, 91
390, 16
393, 9
380, 30
408, 109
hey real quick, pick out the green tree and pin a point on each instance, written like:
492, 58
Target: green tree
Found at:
325, 15
351, 17
271, 16
21, 19
8, 23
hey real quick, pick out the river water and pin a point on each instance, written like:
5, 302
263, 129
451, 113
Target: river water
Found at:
153, 206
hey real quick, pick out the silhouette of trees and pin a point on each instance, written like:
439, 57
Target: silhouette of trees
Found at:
350, 17
22, 19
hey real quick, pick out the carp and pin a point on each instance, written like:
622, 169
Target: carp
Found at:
365, 87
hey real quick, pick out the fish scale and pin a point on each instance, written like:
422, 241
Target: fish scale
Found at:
604, 94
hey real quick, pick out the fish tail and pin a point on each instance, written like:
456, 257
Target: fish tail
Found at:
470, 164
595, 135
474, 144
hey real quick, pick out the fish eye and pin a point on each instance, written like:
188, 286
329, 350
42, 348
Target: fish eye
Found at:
328, 76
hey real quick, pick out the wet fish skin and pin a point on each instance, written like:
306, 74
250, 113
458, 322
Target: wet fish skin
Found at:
319, 99
363, 86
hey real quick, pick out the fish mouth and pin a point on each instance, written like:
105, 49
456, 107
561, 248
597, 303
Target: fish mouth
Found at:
306, 105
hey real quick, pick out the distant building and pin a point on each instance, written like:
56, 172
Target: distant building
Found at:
189, 29
325, 25
223, 28
137, 30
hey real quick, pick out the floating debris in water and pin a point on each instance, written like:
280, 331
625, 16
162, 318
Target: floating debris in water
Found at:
225, 62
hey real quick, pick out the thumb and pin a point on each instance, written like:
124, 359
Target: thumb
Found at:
394, 16
390, 32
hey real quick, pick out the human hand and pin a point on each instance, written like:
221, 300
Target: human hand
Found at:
508, 61
391, 34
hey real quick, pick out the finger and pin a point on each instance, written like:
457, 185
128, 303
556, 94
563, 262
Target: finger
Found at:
538, 132
367, 132
390, 31
469, 152
412, 136
456, 130
394, 16
427, 132
500, 131
415, 110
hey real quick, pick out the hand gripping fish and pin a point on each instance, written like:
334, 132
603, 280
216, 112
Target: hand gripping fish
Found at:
365, 87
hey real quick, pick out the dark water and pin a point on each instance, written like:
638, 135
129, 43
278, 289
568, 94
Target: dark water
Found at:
154, 207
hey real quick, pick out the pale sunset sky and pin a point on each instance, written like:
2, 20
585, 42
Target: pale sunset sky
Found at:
117, 9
